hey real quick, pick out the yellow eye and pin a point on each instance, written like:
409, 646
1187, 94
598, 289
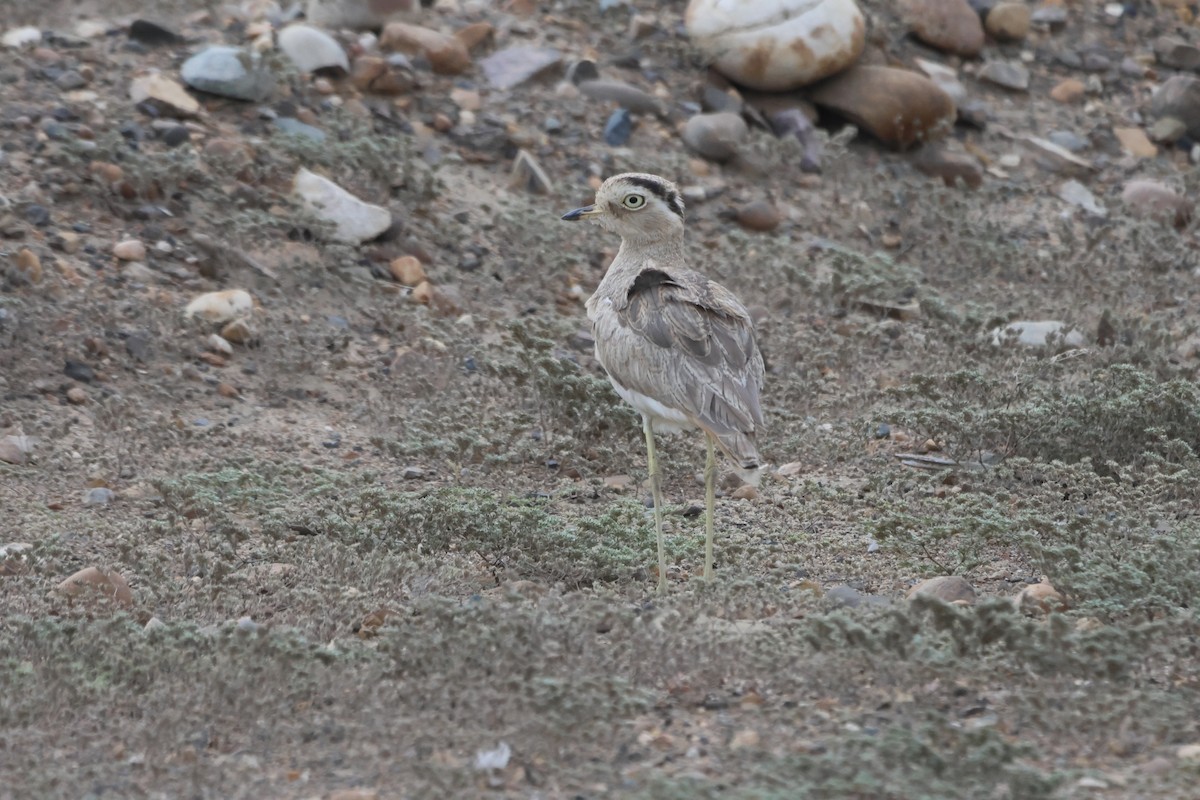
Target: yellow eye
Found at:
633, 201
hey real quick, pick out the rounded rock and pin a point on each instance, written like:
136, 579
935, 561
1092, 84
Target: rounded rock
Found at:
228, 72
97, 583
130, 250
1147, 199
1008, 22
949, 25
759, 215
947, 588
1039, 598
1179, 97
715, 136
896, 106
311, 49
780, 45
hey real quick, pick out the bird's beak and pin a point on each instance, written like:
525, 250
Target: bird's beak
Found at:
580, 213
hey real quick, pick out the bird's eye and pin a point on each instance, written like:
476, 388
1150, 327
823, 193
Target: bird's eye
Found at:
633, 201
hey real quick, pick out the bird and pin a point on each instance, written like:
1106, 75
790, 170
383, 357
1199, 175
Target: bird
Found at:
679, 348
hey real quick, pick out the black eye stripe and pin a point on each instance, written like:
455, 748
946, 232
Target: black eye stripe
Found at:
660, 191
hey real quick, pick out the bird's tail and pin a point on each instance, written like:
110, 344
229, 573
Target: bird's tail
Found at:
742, 450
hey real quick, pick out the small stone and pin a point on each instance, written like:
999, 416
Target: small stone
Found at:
947, 588
238, 331
1167, 130
513, 66
628, 97
937, 162
78, 371
152, 34
15, 449
1177, 54
407, 270
582, 71
1070, 90
1038, 333
1147, 199
780, 45
1053, 156
294, 127
176, 135
759, 215
618, 128
618, 483
98, 496
29, 265
229, 72
411, 473
1008, 22
154, 624
1135, 142
77, 396
1039, 598
845, 596
70, 80
423, 293
219, 344
642, 26
746, 492
311, 49
378, 75
1179, 97
21, 37
447, 55
1051, 16
218, 307
357, 14
715, 136
528, 174
949, 25
945, 77
1079, 195
354, 220
466, 99
97, 583
746, 739
1008, 74
899, 107
1188, 752
475, 35
130, 250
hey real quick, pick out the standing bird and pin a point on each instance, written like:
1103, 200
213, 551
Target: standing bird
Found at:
677, 347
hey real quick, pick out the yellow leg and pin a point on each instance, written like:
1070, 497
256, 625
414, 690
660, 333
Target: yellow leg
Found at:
710, 502
656, 491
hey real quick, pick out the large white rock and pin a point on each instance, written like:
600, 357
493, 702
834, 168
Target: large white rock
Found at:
311, 49
776, 45
218, 307
355, 220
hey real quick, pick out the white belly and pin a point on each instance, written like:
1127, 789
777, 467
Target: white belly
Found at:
662, 418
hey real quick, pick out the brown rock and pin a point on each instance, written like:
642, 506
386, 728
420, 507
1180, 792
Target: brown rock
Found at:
446, 54
950, 25
947, 588
226, 390
423, 293
745, 492
618, 483
759, 215
475, 35
95, 583
77, 396
950, 167
407, 270
1135, 142
239, 331
898, 107
466, 99
717, 137
513, 66
376, 75
105, 172
1008, 22
1039, 598
1148, 199
30, 265
1068, 91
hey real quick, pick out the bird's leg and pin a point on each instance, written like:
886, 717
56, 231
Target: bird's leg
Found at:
656, 491
710, 502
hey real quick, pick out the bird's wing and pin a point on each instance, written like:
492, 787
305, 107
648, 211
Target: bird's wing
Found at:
692, 348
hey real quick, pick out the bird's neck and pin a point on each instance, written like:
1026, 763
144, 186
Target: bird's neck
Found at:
634, 255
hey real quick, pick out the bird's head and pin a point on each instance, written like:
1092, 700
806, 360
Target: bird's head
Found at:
637, 206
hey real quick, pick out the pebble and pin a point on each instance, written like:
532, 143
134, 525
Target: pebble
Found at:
759, 215
29, 265
218, 344
21, 37
381, 76
358, 14
97, 583
1037, 333
582, 71
936, 162
1177, 54
475, 35
219, 307
896, 106
618, 483
447, 55
1135, 142
98, 496
947, 588
1008, 74
311, 49
1167, 130
78, 371
779, 45
527, 174
514, 66
154, 624
945, 77
355, 221
70, 80
238, 331
77, 396
624, 95
1008, 22
1079, 195
715, 136
1070, 90
228, 72
745, 492
1039, 598
407, 270
1056, 158
1179, 97
1051, 16
130, 250
152, 34
176, 135
949, 25
1188, 752
15, 449
1149, 199
618, 128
